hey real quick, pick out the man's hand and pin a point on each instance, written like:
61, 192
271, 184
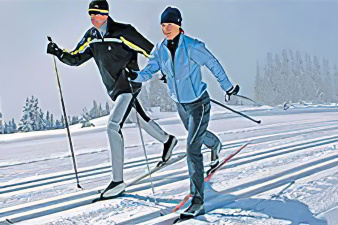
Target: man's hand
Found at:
232, 91
53, 49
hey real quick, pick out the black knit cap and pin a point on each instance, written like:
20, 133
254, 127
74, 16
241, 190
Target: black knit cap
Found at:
171, 15
98, 7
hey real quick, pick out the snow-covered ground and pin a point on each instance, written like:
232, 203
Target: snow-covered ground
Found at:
287, 175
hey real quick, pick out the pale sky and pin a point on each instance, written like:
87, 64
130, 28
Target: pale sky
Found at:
239, 33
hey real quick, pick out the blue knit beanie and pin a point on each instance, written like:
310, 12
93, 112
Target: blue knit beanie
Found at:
171, 15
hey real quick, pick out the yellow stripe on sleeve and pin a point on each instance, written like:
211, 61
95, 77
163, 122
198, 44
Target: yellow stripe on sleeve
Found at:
82, 47
135, 47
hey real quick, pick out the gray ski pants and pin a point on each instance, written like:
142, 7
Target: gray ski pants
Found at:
126, 104
195, 117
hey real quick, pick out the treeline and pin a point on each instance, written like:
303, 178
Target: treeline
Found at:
153, 94
295, 77
35, 119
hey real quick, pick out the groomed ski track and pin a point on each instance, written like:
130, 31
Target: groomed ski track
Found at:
287, 146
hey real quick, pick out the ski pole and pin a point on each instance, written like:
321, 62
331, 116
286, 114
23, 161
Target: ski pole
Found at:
143, 145
232, 110
66, 120
145, 155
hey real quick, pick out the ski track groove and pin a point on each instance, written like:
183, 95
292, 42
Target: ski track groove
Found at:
250, 129
131, 164
107, 170
276, 154
87, 196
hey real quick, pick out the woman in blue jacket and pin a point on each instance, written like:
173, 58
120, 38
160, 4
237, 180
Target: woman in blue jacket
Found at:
180, 59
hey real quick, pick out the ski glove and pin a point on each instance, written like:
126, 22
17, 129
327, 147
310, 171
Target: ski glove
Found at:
232, 91
53, 49
164, 78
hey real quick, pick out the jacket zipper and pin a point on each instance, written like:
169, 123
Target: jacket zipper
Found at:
173, 70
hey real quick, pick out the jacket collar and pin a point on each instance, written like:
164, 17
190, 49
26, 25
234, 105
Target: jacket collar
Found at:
110, 26
180, 42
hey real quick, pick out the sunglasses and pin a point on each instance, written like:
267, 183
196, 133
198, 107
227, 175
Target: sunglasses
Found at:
98, 16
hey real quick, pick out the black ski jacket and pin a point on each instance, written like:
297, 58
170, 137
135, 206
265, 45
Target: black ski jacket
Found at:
113, 53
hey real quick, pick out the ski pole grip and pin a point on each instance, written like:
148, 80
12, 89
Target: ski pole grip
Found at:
49, 39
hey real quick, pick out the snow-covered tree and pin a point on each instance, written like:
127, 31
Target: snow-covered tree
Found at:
100, 110
41, 120
6, 130
258, 89
290, 79
33, 117
51, 121
85, 119
158, 96
328, 87
107, 111
75, 120
94, 112
57, 125
317, 78
14, 125
335, 78
48, 121
26, 122
62, 123
2, 125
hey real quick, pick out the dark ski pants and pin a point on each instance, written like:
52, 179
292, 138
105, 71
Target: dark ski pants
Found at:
126, 104
195, 117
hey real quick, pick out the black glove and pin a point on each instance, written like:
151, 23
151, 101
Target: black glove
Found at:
232, 91
164, 78
131, 75
53, 49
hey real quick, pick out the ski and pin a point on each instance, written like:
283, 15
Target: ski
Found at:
160, 165
210, 173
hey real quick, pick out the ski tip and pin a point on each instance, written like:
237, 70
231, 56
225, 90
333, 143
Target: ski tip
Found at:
49, 39
176, 221
8, 221
160, 163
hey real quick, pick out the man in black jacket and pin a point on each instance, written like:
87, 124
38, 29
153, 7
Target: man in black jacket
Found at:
114, 47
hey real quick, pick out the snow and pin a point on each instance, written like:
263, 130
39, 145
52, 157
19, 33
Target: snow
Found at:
287, 175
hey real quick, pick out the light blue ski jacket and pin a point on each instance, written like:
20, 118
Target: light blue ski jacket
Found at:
184, 74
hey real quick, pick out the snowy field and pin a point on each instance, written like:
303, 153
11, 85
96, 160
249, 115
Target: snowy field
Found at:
287, 175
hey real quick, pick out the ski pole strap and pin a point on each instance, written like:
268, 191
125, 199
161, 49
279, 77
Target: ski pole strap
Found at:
234, 111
